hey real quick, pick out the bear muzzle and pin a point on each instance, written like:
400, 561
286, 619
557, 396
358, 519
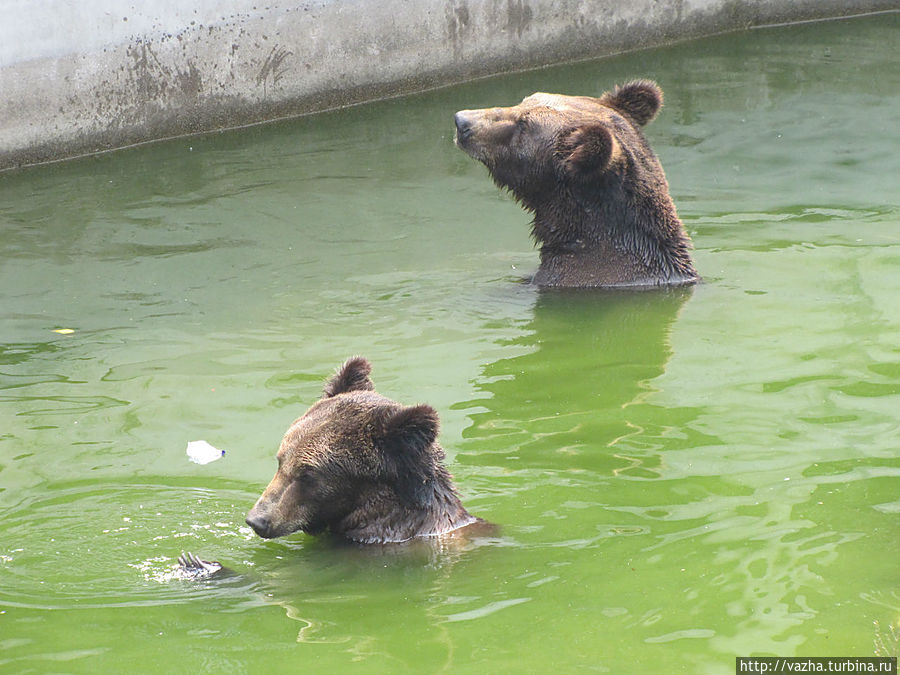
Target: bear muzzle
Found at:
479, 133
464, 120
260, 524
277, 512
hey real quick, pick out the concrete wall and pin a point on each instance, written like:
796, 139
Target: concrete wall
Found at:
81, 77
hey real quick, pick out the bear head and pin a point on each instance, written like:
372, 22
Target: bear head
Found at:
583, 167
360, 465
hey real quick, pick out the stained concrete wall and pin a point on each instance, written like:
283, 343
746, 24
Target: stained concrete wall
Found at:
82, 77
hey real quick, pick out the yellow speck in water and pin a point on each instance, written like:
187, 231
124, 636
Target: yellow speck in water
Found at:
64, 331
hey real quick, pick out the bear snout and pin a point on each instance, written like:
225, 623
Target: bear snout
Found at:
463, 121
260, 524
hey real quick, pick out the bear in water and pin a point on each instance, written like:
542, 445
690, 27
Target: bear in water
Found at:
602, 211
363, 467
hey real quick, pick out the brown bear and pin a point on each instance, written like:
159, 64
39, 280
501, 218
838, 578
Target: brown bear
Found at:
602, 211
361, 466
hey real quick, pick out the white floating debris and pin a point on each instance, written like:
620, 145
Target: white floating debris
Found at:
201, 452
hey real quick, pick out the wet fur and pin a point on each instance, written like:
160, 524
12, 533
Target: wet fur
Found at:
363, 467
602, 211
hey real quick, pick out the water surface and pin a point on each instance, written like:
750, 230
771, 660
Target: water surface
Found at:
681, 477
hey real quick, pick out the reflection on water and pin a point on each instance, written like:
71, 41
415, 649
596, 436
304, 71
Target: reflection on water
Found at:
590, 357
681, 477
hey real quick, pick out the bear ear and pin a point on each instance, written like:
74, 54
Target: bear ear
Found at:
407, 435
587, 150
352, 376
640, 100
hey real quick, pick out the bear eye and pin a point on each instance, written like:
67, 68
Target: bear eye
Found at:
307, 480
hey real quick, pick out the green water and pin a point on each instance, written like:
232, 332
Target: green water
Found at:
681, 477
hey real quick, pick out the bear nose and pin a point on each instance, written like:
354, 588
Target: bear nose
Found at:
463, 125
259, 523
